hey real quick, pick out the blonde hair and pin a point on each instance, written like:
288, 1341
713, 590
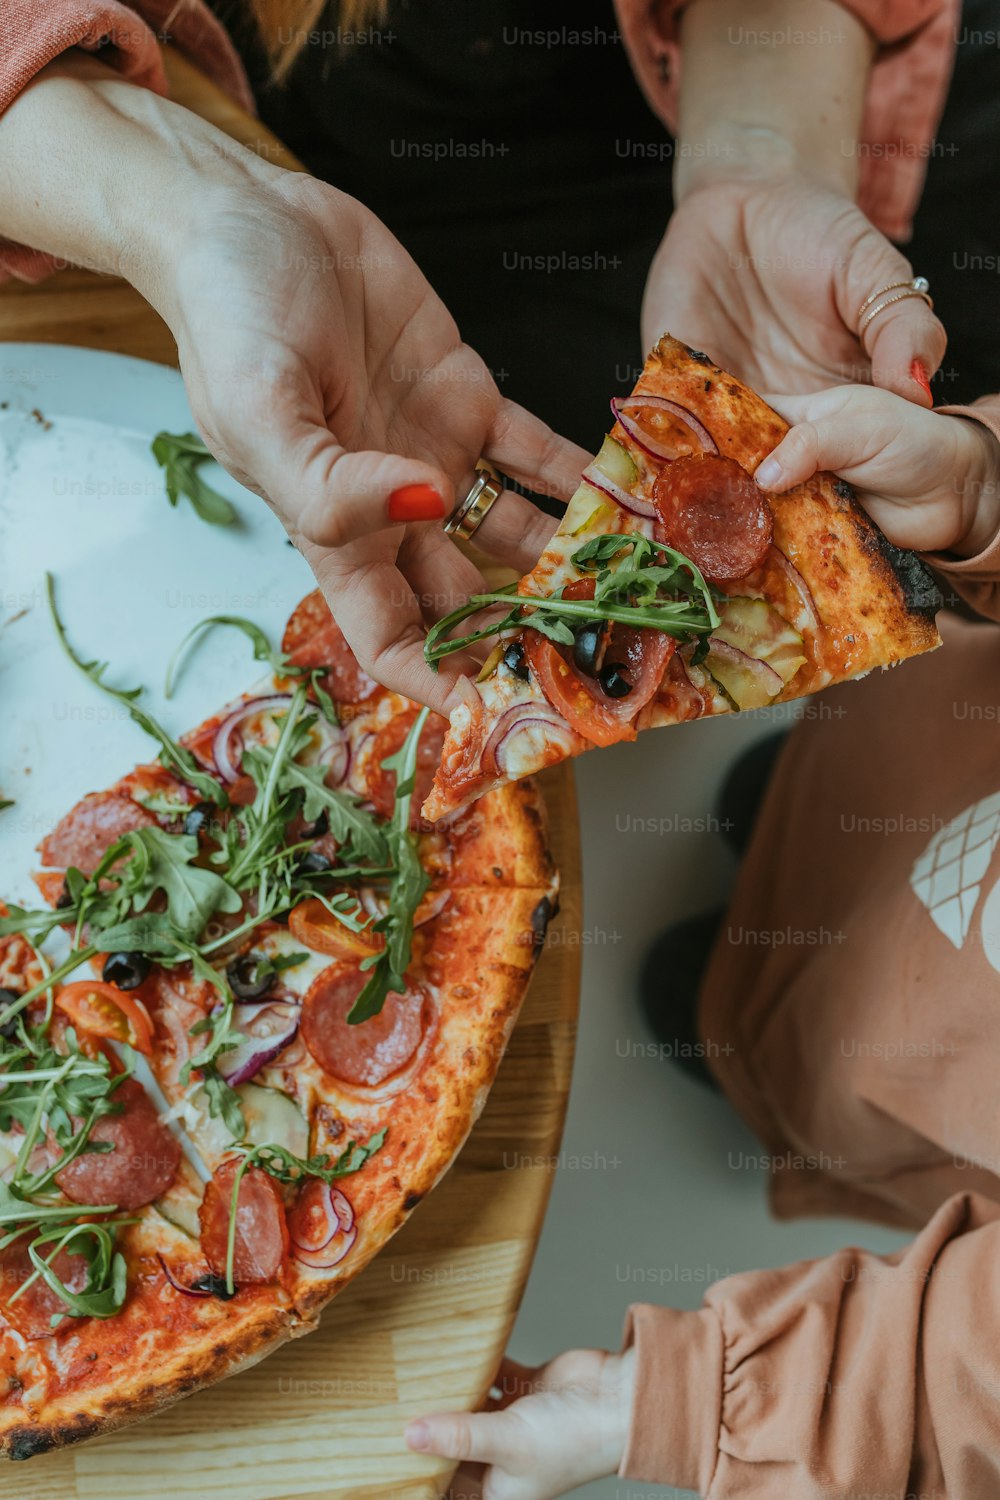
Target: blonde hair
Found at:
285, 24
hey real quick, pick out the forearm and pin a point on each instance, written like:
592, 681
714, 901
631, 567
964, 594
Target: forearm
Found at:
768, 86
105, 174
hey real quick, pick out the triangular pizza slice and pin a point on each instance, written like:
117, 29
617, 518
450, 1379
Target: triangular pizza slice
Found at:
675, 589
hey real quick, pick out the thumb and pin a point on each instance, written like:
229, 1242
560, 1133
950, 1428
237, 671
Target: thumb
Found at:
829, 432
904, 340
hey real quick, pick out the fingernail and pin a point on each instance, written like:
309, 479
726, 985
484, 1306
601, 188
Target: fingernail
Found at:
418, 1437
415, 502
768, 474
918, 372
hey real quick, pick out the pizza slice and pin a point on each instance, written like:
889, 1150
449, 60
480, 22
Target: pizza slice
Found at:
675, 589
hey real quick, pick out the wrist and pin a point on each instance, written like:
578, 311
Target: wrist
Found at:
618, 1392
181, 172
770, 88
978, 481
735, 154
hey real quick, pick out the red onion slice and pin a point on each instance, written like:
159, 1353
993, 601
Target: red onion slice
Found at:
267, 1031
322, 1226
376, 905
622, 405
226, 752
336, 756
800, 586
186, 1291
515, 720
766, 677
631, 503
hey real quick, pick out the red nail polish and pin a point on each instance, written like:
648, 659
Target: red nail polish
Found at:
415, 502
918, 371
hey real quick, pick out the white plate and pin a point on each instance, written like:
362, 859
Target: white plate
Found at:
82, 497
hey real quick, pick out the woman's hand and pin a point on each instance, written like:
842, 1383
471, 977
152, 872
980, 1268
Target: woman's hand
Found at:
326, 375
930, 481
322, 370
767, 276
549, 1430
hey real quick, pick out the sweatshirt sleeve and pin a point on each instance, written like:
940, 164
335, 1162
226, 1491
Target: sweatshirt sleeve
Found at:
858, 1374
976, 579
905, 99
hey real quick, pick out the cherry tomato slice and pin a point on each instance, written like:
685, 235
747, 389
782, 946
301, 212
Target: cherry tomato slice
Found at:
317, 929
564, 689
106, 1011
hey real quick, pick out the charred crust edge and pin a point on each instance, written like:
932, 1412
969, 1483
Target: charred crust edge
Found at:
541, 916
917, 584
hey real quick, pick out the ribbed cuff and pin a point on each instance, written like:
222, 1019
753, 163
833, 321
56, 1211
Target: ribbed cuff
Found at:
677, 1408
984, 564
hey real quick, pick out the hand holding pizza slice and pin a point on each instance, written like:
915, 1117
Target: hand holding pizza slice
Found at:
676, 588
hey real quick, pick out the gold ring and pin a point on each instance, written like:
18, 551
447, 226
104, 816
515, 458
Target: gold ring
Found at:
470, 514
870, 308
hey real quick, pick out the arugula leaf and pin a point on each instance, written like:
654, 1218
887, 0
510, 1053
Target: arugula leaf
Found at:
180, 455
349, 822
647, 594
170, 752
262, 648
224, 1102
193, 894
165, 805
104, 1291
277, 963
555, 630
388, 966
6, 802
286, 1167
326, 704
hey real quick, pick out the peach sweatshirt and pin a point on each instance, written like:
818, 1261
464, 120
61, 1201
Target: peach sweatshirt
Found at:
851, 1011
905, 99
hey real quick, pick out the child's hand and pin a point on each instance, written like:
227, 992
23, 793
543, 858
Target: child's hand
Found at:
931, 482
548, 1431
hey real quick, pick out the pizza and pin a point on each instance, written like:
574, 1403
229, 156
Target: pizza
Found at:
675, 589
279, 1003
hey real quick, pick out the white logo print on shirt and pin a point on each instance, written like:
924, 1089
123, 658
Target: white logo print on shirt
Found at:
947, 877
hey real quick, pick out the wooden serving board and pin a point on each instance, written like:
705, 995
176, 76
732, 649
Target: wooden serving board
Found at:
424, 1327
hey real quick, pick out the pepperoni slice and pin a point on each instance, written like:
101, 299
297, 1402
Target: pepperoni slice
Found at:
31, 1314
372, 1051
142, 1164
382, 784
91, 827
313, 638
261, 1231
710, 509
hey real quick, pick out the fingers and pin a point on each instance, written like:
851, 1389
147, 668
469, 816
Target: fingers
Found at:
439, 573
477, 1437
906, 342
529, 451
379, 614
515, 532
513, 1381
835, 430
340, 496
